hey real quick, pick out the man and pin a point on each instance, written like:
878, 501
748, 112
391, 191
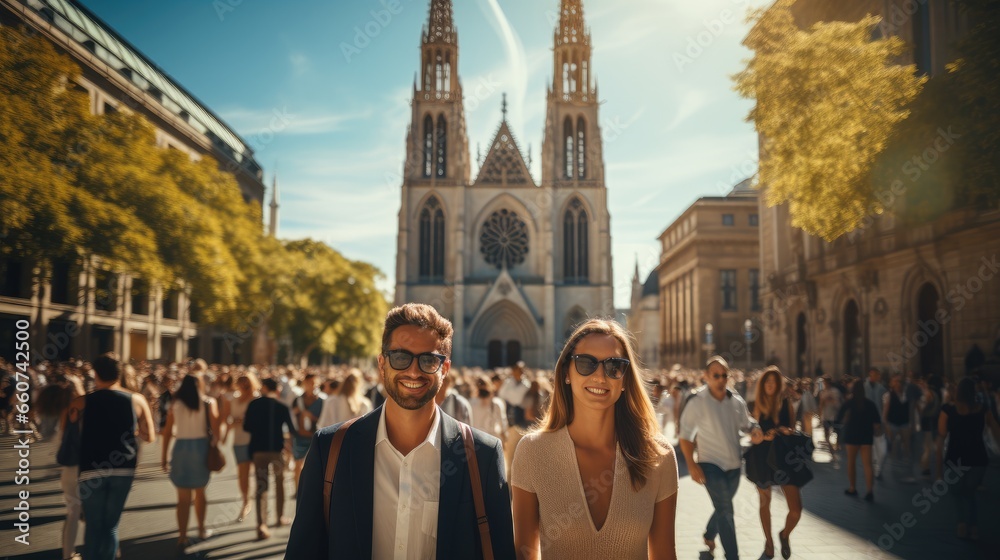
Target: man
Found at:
452, 403
713, 418
264, 419
512, 391
111, 419
402, 489
874, 390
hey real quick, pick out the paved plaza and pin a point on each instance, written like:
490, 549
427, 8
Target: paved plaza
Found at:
833, 526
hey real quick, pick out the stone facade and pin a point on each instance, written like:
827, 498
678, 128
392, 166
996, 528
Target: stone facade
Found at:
899, 296
512, 262
80, 310
709, 274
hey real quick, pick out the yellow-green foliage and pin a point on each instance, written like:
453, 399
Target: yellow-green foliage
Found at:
827, 101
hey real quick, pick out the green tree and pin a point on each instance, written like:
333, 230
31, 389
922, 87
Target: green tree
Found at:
827, 101
335, 306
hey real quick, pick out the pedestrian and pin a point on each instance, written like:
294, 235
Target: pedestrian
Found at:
247, 389
402, 486
773, 414
861, 423
189, 418
451, 402
307, 407
896, 415
713, 418
488, 412
112, 421
601, 430
265, 420
808, 407
830, 401
513, 390
534, 403
928, 411
964, 423
69, 474
348, 402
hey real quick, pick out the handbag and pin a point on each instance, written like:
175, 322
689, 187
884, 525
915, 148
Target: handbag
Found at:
68, 454
216, 460
790, 455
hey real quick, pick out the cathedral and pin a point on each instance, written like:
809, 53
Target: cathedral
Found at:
514, 263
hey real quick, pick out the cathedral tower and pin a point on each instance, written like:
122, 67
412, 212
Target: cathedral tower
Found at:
572, 153
437, 146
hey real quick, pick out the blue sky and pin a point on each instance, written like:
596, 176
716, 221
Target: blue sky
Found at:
333, 125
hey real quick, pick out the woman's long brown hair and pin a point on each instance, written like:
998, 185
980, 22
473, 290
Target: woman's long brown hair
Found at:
635, 419
770, 405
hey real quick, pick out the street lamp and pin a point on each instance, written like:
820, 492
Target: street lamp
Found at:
748, 334
709, 341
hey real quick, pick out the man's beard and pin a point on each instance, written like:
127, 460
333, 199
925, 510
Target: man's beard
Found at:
406, 401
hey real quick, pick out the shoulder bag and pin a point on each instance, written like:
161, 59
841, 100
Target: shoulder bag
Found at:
216, 460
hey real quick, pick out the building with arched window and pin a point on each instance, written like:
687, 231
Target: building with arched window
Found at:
512, 261
900, 293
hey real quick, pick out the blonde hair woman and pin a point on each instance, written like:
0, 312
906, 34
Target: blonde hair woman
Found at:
247, 389
596, 478
349, 402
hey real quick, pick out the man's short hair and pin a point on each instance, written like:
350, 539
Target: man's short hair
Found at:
717, 360
418, 315
107, 367
270, 385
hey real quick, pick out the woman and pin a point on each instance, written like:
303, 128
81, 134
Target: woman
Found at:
534, 403
348, 403
189, 462
775, 417
861, 422
807, 406
306, 410
963, 424
596, 479
929, 409
68, 477
248, 388
489, 413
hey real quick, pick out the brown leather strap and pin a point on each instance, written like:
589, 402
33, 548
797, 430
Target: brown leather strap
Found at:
477, 493
331, 468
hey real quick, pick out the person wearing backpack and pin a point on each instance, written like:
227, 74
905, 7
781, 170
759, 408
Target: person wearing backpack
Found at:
406, 480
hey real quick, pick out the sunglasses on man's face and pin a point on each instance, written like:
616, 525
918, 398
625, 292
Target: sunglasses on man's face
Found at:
428, 362
587, 364
720, 376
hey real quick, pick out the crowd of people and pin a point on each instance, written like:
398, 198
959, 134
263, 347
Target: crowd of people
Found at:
567, 439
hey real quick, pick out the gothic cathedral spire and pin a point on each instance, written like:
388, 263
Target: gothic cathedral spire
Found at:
437, 143
572, 152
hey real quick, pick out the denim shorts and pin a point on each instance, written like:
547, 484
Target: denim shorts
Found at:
189, 463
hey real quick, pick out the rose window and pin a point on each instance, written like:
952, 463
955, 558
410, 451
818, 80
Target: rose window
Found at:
504, 240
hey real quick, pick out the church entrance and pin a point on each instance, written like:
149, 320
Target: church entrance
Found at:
503, 353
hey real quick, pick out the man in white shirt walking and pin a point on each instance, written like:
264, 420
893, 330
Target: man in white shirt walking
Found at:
714, 418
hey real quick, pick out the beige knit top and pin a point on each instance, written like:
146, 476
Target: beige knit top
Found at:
545, 464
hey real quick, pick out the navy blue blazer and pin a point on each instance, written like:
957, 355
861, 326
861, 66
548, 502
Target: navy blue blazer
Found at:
351, 504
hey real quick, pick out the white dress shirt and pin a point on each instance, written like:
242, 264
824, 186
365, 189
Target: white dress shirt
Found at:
717, 426
514, 391
407, 492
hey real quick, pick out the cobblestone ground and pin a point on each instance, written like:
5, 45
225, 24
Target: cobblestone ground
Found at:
833, 526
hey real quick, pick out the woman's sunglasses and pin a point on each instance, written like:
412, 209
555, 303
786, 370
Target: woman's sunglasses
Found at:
428, 362
587, 364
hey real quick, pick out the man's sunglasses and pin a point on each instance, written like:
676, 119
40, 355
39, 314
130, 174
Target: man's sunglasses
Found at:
587, 364
428, 362
720, 376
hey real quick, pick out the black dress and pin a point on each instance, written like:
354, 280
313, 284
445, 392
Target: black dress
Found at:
782, 461
859, 422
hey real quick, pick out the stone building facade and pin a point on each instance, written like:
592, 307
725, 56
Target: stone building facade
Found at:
81, 310
709, 274
900, 296
513, 262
